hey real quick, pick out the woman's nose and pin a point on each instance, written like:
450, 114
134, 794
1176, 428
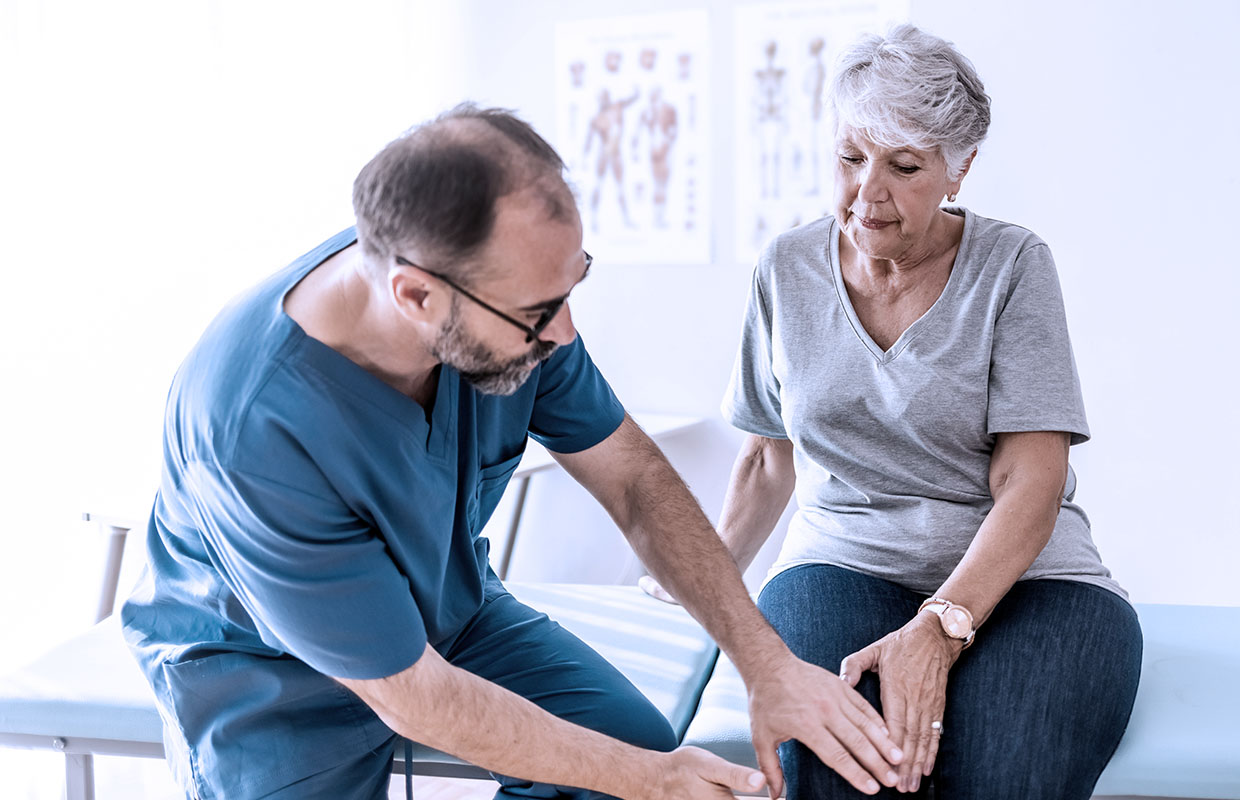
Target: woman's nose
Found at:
871, 186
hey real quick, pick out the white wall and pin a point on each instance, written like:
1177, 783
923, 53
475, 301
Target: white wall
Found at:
1119, 158
1115, 126
157, 157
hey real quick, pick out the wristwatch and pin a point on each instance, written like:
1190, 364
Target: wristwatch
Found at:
956, 620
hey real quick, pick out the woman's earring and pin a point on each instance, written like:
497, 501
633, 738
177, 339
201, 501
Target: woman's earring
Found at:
951, 198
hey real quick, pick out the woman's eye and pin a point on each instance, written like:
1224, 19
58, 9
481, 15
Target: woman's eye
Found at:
850, 159
906, 170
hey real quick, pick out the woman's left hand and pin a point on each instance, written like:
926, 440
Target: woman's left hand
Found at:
912, 664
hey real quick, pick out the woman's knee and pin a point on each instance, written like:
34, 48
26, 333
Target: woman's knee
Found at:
1047, 691
806, 777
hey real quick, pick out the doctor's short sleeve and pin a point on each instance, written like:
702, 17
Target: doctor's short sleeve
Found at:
317, 581
574, 407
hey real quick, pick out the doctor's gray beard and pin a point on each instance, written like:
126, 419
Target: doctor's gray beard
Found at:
478, 365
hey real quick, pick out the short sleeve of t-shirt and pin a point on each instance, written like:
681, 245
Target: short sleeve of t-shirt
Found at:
752, 402
574, 407
316, 581
1033, 380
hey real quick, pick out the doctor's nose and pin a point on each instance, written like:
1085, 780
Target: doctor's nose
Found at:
560, 330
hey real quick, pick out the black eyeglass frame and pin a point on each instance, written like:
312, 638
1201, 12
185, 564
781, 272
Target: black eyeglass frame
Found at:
531, 331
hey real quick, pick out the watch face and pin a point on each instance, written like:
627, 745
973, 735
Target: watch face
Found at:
956, 623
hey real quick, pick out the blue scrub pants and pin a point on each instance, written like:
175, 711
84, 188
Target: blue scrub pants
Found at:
1035, 708
524, 651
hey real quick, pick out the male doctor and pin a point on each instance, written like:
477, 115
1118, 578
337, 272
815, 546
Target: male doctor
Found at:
332, 447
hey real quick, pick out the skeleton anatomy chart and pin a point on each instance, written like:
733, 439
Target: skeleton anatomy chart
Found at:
632, 124
784, 55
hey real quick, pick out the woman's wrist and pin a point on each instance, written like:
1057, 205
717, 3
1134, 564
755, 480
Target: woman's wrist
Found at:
954, 619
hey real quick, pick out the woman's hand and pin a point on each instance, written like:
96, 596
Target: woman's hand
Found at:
912, 664
655, 589
762, 481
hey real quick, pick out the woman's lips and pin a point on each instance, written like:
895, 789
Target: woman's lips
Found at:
873, 224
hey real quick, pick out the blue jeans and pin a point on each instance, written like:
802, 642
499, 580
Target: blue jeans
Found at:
1035, 708
524, 651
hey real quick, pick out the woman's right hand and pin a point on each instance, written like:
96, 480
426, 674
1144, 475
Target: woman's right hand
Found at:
655, 589
912, 664
691, 772
762, 481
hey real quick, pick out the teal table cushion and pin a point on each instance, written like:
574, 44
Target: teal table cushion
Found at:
86, 687
722, 721
1184, 736
657, 646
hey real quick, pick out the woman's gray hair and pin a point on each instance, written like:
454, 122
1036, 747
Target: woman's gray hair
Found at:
910, 88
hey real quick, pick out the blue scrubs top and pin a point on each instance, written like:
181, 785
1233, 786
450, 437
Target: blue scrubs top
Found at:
312, 521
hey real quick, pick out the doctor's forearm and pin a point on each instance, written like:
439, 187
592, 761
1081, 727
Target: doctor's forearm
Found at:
677, 543
452, 710
663, 522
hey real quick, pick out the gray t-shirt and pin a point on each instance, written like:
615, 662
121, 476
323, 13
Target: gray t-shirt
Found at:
893, 448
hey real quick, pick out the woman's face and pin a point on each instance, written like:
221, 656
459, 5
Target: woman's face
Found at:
887, 200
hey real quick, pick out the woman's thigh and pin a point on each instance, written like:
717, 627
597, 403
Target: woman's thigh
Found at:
825, 613
1037, 706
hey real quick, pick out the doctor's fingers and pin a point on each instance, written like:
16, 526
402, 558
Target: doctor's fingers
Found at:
863, 767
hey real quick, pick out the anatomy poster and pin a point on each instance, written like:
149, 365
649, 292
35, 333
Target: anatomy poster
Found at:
632, 124
784, 55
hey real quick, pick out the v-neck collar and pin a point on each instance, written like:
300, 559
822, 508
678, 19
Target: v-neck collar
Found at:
912, 331
436, 429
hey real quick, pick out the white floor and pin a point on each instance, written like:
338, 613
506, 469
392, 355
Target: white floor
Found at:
39, 775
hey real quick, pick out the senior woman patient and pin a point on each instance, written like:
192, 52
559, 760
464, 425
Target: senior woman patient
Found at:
906, 368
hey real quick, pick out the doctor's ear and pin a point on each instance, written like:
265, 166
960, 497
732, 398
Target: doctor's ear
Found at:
411, 291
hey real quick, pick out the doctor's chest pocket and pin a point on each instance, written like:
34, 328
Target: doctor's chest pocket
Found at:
489, 488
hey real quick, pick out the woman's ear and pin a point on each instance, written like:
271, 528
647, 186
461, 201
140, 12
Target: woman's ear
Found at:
968, 162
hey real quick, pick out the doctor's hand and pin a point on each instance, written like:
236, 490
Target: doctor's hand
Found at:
912, 665
796, 700
694, 773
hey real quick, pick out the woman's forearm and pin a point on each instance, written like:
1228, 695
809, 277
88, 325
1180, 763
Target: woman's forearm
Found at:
1028, 472
762, 480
